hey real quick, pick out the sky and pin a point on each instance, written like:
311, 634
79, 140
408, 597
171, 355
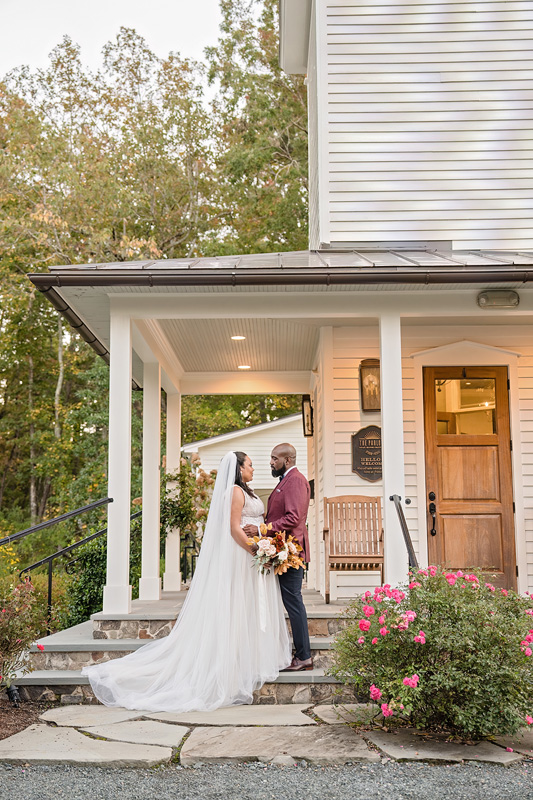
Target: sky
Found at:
32, 28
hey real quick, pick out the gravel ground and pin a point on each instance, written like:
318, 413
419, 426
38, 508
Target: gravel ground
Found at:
389, 780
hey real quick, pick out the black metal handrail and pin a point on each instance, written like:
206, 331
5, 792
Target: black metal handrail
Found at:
50, 561
397, 500
50, 522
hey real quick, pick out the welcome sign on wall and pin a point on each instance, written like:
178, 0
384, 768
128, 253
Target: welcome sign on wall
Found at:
366, 453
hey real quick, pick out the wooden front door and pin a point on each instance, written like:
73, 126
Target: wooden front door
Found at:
468, 471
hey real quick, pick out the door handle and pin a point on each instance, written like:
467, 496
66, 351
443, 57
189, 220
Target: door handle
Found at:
433, 512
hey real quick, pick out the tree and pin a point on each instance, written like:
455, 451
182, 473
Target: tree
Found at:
210, 415
261, 149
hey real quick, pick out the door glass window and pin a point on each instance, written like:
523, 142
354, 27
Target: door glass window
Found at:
466, 406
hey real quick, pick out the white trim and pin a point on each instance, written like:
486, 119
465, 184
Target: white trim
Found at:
454, 347
246, 382
151, 344
223, 437
320, 12
473, 354
328, 412
150, 582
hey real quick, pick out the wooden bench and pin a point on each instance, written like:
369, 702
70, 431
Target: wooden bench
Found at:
353, 535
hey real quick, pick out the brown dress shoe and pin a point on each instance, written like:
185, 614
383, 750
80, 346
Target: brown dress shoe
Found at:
297, 665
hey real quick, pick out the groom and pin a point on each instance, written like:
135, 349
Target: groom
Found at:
287, 511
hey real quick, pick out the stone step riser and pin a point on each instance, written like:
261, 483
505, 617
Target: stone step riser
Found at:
157, 629
269, 694
76, 659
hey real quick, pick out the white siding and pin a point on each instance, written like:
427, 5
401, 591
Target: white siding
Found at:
430, 116
258, 445
351, 345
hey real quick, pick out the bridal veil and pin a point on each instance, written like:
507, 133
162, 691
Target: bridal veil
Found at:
216, 654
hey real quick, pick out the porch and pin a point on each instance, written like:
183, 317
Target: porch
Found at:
308, 320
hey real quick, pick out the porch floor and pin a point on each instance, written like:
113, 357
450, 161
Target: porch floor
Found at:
169, 605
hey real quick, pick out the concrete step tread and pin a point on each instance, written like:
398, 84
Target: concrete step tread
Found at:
79, 644
64, 677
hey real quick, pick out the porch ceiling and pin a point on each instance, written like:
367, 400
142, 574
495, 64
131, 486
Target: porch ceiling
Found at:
205, 345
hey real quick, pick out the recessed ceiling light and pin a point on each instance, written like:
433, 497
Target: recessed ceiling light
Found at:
238, 338
244, 366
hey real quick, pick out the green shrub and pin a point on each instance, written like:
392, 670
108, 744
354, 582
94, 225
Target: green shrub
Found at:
449, 653
22, 618
85, 592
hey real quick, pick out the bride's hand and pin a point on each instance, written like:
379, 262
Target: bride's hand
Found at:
254, 548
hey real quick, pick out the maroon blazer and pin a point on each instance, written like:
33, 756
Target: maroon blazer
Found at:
287, 508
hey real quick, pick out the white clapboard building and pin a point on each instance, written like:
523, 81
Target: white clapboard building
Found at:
421, 257
257, 441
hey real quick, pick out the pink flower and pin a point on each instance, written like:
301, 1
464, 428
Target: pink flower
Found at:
375, 693
364, 624
459, 573
490, 587
368, 593
375, 640
422, 572
368, 611
40, 647
529, 719
509, 749
451, 579
382, 619
386, 711
432, 571
421, 638
414, 584
528, 651
412, 682
361, 640
410, 616
504, 592
384, 631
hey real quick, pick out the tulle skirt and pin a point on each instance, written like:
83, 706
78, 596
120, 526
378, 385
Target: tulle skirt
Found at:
229, 639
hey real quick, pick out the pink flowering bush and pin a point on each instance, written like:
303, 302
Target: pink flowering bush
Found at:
448, 652
22, 618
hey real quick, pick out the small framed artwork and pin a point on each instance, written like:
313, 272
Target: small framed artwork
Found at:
369, 381
307, 415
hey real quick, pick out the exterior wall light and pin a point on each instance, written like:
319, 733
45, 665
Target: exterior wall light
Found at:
498, 298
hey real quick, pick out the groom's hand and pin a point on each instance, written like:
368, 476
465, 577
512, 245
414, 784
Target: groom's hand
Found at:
251, 530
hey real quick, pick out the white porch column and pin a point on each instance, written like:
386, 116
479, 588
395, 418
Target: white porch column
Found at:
396, 559
172, 574
150, 582
117, 591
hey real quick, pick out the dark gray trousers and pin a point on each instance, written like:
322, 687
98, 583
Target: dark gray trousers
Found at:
291, 594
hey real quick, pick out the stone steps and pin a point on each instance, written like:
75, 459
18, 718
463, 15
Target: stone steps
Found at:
57, 668
70, 686
64, 652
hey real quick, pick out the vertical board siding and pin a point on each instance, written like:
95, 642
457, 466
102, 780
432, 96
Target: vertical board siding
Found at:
352, 344
429, 122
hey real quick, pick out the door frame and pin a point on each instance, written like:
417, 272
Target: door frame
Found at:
469, 353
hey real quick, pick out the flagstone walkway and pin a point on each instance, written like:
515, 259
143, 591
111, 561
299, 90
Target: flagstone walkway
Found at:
283, 735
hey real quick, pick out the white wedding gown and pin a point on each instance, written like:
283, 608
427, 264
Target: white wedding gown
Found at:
230, 636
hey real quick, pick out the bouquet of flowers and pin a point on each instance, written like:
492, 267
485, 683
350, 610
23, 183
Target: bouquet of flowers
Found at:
277, 552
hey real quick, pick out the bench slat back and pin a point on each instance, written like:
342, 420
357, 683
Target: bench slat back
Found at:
355, 525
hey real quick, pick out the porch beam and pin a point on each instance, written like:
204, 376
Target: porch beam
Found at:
392, 444
151, 344
117, 591
334, 304
246, 382
150, 582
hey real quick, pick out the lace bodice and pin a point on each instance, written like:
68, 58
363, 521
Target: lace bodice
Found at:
252, 511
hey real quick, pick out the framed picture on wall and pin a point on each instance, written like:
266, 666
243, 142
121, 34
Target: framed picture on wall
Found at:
369, 381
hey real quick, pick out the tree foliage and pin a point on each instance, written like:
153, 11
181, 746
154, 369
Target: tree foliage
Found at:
129, 162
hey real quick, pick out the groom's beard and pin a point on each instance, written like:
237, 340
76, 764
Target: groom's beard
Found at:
277, 473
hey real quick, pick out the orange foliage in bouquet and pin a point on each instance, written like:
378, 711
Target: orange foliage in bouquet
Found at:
279, 551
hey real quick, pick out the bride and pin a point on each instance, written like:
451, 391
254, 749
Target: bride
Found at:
230, 636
